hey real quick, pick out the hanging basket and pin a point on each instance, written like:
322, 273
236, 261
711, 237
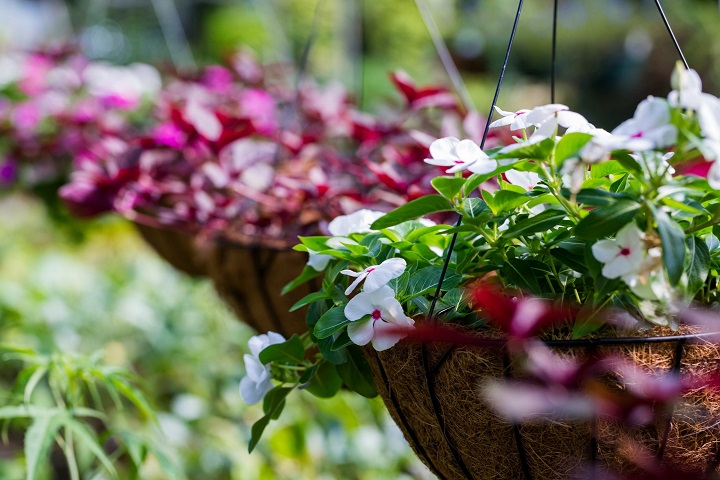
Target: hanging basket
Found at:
438, 406
250, 277
177, 248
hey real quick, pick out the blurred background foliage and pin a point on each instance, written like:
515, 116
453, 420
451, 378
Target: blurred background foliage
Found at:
94, 295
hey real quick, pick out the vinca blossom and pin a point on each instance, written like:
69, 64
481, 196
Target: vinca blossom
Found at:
385, 316
255, 385
622, 255
649, 128
357, 222
460, 155
376, 276
516, 120
526, 180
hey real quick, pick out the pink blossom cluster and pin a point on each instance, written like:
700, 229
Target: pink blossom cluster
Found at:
242, 151
55, 103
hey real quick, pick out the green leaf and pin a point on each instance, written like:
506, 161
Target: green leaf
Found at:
412, 210
289, 351
475, 180
134, 395
332, 321
628, 162
573, 260
605, 221
569, 145
474, 207
533, 224
698, 263
272, 406
308, 299
672, 237
504, 200
426, 280
611, 167
356, 373
520, 274
535, 151
336, 357
326, 382
86, 439
448, 187
307, 274
38, 439
597, 197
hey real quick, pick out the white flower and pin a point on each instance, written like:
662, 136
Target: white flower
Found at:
460, 155
622, 255
526, 180
385, 312
649, 128
257, 382
376, 276
599, 147
687, 91
516, 120
709, 117
649, 281
357, 222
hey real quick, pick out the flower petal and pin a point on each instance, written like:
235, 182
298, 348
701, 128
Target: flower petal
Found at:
383, 338
361, 332
355, 283
252, 392
359, 306
383, 273
483, 167
444, 148
468, 151
605, 250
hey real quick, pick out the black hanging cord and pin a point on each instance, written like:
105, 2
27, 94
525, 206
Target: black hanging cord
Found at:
554, 51
672, 35
482, 145
502, 73
444, 55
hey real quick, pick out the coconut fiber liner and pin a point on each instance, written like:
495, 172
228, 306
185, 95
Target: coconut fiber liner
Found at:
176, 248
250, 277
458, 436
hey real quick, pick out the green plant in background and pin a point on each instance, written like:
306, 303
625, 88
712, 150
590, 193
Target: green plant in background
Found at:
68, 302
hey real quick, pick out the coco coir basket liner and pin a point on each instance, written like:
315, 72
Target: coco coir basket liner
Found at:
440, 411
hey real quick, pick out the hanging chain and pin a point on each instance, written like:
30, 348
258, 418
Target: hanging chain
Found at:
672, 35
554, 51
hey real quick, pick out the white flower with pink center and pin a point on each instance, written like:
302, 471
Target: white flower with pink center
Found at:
375, 318
526, 180
376, 276
459, 155
622, 255
649, 128
516, 120
257, 382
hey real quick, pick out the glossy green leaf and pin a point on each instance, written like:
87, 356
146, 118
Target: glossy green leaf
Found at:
569, 146
308, 299
416, 208
605, 221
698, 264
356, 373
273, 405
290, 351
504, 200
306, 275
535, 151
448, 187
332, 321
326, 382
426, 280
533, 224
672, 237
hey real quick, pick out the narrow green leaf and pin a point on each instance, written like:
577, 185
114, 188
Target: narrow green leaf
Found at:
611, 167
597, 197
520, 275
291, 351
32, 382
86, 439
326, 382
605, 221
38, 439
272, 406
628, 162
533, 224
307, 274
672, 237
412, 210
332, 321
308, 299
134, 395
448, 187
